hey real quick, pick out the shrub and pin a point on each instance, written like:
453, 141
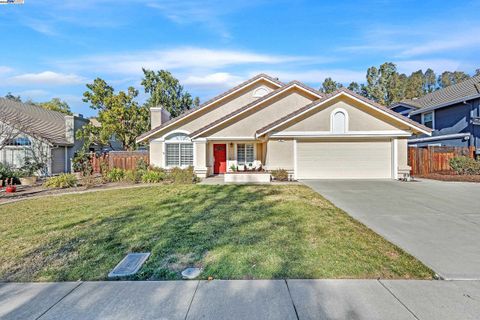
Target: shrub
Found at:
81, 163
142, 164
183, 176
90, 181
6, 172
465, 165
116, 175
64, 180
153, 176
280, 174
133, 176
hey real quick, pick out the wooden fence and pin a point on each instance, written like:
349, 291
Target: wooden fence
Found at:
126, 160
435, 159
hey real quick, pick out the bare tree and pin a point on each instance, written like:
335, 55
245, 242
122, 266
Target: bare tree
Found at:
11, 127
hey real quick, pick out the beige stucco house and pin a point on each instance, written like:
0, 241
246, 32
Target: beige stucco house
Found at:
266, 123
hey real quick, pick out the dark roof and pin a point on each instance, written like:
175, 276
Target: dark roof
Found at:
186, 113
35, 121
253, 103
336, 92
453, 93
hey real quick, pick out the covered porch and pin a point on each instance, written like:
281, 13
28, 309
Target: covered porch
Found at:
222, 156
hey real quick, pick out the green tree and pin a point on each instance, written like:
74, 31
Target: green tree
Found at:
120, 115
448, 78
10, 96
56, 105
329, 85
477, 72
429, 81
384, 85
166, 91
414, 87
355, 87
196, 102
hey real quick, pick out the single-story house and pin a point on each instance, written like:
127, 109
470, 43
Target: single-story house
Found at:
264, 122
27, 130
453, 113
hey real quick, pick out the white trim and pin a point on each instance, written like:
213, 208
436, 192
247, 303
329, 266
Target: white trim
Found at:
295, 159
352, 97
66, 159
260, 101
230, 138
332, 115
321, 134
433, 118
440, 137
395, 159
211, 103
263, 88
164, 137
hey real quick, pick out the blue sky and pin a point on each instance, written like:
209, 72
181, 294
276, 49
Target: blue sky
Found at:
52, 48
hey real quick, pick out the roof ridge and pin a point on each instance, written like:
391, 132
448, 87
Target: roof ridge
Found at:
245, 107
212, 100
333, 94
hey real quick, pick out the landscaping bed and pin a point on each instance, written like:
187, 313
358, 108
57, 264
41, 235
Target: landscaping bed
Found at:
451, 177
231, 231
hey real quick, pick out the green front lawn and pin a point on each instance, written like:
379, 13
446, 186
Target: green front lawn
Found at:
233, 232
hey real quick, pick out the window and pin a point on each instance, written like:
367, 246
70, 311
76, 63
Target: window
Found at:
339, 122
245, 153
427, 119
178, 150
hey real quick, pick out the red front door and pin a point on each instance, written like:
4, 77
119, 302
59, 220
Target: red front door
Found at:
220, 158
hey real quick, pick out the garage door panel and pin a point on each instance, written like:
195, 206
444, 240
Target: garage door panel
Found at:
344, 160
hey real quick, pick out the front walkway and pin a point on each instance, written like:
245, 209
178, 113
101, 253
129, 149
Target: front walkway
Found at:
438, 222
242, 299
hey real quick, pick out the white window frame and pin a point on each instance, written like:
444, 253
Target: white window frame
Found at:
433, 118
254, 152
332, 119
179, 142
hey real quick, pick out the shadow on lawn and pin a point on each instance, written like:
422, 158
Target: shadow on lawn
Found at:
228, 230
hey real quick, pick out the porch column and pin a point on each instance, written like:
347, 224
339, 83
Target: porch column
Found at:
200, 157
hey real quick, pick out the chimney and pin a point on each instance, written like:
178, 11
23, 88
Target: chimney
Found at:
70, 128
158, 116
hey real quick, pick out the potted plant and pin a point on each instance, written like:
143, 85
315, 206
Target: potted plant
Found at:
27, 172
233, 168
10, 188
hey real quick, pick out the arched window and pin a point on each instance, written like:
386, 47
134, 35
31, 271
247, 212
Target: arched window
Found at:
339, 121
260, 92
178, 150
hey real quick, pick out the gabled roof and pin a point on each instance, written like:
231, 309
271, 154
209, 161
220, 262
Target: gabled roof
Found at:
293, 84
462, 91
208, 103
333, 95
35, 121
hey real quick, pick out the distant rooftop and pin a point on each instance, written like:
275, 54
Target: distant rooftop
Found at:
459, 91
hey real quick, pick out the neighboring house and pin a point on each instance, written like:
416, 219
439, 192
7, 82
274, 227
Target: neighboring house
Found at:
48, 136
284, 126
453, 113
113, 144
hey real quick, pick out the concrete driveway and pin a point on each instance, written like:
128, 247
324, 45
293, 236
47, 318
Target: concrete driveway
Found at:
437, 222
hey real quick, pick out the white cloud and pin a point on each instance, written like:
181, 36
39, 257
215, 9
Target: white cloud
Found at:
447, 42
171, 59
34, 94
214, 80
46, 78
5, 70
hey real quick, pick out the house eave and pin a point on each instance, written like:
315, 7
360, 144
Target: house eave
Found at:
443, 105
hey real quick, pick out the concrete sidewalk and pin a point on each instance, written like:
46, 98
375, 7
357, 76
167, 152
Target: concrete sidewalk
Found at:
242, 299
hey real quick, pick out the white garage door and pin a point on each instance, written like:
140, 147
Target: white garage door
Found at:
344, 160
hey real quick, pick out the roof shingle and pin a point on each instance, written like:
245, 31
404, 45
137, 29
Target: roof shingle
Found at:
464, 89
37, 121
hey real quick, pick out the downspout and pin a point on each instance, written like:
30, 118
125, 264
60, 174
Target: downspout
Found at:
472, 133
66, 159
